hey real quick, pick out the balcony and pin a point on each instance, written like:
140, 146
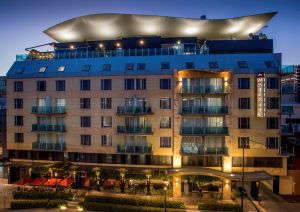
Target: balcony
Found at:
134, 110
48, 110
134, 130
204, 110
48, 128
200, 150
287, 130
134, 149
288, 150
48, 146
204, 131
202, 90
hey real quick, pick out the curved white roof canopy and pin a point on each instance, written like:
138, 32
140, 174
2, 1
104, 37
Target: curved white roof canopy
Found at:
112, 26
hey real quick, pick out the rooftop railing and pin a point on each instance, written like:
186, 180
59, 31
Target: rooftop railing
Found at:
79, 54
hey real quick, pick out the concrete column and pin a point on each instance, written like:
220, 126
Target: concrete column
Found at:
176, 186
226, 189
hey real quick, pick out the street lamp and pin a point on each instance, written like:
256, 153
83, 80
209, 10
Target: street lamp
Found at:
166, 183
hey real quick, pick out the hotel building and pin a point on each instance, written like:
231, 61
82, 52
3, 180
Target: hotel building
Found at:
163, 94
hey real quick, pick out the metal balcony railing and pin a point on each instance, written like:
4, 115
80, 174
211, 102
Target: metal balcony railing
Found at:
200, 150
48, 128
134, 129
48, 110
209, 110
133, 110
204, 131
48, 146
202, 90
134, 149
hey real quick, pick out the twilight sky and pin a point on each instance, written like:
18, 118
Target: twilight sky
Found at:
23, 21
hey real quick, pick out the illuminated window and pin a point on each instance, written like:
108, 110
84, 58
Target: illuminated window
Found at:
43, 69
165, 122
61, 68
106, 121
106, 140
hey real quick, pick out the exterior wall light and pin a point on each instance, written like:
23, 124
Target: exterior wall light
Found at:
71, 47
178, 42
118, 44
101, 45
141, 42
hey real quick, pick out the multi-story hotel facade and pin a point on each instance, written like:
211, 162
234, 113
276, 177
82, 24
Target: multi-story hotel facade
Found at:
181, 96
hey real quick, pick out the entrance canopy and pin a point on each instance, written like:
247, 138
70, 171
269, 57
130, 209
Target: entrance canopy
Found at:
236, 176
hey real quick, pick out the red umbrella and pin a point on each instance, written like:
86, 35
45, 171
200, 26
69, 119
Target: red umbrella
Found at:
66, 182
38, 182
51, 182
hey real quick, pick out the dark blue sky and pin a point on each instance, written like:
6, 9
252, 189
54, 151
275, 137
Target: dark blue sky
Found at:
23, 21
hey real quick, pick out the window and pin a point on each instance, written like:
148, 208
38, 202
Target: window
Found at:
18, 86
60, 85
270, 64
243, 64
85, 121
244, 123
213, 65
165, 84
85, 85
85, 103
86, 140
106, 84
141, 66
189, 65
129, 66
165, 66
61, 68
165, 103
20, 70
286, 110
19, 138
165, 122
272, 123
41, 85
272, 103
244, 103
165, 142
18, 103
86, 68
105, 103
60, 102
244, 83
18, 120
272, 83
106, 67
272, 142
135, 84
42, 69
243, 141
106, 121
106, 140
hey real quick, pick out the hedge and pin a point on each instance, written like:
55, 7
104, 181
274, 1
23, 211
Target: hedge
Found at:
134, 202
219, 207
37, 203
93, 206
42, 195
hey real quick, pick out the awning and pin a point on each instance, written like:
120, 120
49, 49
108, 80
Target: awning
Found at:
17, 165
66, 182
38, 182
23, 181
52, 182
236, 176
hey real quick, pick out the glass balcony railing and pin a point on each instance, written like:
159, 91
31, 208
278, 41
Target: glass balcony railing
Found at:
48, 110
286, 149
48, 128
134, 149
48, 146
202, 90
134, 129
287, 130
78, 54
134, 110
205, 110
200, 150
204, 131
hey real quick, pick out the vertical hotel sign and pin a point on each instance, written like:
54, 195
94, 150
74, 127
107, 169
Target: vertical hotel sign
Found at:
261, 99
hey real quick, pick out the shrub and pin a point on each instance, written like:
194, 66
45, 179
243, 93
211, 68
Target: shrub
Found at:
218, 207
94, 206
134, 202
42, 195
55, 203
28, 204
